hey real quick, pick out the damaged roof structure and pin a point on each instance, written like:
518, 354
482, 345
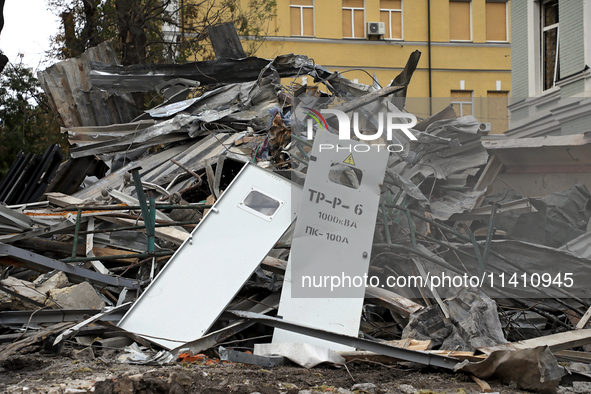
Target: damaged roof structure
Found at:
220, 187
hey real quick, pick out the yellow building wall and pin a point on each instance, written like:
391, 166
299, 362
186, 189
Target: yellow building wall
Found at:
478, 63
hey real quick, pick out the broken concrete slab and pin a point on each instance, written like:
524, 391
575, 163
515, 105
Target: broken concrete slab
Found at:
57, 281
80, 296
23, 288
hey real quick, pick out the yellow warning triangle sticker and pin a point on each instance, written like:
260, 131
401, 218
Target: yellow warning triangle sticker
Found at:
349, 160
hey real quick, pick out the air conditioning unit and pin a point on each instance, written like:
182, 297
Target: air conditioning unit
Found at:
485, 127
376, 28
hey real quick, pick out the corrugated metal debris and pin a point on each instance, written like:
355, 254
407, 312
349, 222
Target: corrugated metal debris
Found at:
200, 191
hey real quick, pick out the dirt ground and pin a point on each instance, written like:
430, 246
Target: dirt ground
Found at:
35, 372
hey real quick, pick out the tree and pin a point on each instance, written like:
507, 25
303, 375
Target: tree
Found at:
26, 121
155, 31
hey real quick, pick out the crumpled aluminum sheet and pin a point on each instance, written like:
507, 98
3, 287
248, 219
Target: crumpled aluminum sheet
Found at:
442, 128
580, 246
149, 136
303, 354
171, 109
250, 103
137, 356
454, 202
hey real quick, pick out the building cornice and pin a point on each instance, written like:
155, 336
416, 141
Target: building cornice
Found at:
384, 42
573, 108
543, 125
551, 121
547, 96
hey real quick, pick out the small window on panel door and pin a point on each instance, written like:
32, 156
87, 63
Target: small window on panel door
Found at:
261, 204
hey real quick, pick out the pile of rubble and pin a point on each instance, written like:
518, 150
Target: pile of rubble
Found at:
172, 232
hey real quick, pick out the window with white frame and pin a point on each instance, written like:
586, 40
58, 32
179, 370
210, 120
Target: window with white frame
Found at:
460, 20
353, 18
462, 102
391, 15
497, 26
302, 17
550, 43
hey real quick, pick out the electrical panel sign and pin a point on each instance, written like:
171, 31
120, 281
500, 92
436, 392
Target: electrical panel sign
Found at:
330, 254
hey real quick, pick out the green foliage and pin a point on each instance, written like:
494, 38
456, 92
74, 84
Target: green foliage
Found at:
26, 121
156, 31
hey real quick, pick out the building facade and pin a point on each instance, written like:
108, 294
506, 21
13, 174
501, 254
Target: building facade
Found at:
465, 48
550, 59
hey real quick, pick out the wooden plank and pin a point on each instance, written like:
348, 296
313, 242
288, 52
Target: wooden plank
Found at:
65, 248
62, 200
485, 387
275, 265
470, 356
100, 251
556, 342
210, 200
573, 355
166, 233
412, 344
361, 356
583, 322
393, 301
53, 216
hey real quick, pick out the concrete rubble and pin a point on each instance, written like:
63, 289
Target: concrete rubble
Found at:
140, 190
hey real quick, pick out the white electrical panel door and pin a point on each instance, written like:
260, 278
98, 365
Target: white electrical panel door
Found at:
212, 265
